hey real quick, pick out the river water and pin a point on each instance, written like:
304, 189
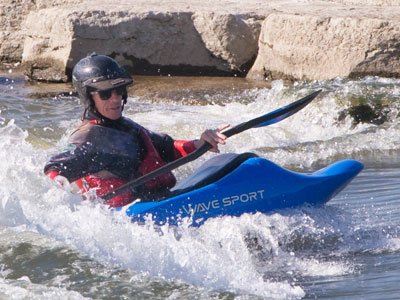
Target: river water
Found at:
54, 246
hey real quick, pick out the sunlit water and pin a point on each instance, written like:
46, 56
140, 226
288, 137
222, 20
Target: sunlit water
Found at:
54, 246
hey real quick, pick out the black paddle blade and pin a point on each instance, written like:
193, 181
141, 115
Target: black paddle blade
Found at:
267, 119
274, 116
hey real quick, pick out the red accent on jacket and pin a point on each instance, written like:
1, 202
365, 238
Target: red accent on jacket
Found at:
103, 186
52, 174
183, 148
151, 162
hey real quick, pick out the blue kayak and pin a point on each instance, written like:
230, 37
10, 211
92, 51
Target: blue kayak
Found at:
234, 184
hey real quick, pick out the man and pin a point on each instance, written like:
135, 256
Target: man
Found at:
111, 150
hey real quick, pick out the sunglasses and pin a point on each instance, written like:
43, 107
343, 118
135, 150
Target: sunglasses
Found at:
106, 94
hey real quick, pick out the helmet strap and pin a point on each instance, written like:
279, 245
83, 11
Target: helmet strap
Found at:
89, 105
84, 114
125, 98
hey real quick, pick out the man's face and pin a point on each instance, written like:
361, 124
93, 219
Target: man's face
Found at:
111, 107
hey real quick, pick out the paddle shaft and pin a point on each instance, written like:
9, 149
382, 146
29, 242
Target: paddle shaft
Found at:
264, 120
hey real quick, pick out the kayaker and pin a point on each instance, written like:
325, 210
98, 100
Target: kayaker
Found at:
107, 149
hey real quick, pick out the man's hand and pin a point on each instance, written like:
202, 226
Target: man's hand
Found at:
213, 137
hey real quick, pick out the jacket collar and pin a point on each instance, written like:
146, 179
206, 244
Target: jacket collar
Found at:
101, 120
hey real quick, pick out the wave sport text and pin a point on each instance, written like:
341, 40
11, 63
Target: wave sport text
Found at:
224, 202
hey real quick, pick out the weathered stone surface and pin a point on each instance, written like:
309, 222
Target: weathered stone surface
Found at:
316, 47
48, 45
299, 39
145, 43
12, 14
368, 2
230, 38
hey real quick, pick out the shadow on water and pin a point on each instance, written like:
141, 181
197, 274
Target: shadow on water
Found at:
185, 90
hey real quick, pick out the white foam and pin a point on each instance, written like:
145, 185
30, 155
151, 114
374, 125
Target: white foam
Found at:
23, 288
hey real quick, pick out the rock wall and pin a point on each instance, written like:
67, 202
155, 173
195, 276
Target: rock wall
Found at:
314, 47
368, 2
290, 39
145, 43
12, 15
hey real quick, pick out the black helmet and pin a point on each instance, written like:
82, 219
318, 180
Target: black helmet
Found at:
98, 72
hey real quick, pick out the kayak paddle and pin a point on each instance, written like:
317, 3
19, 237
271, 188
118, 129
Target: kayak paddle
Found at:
264, 120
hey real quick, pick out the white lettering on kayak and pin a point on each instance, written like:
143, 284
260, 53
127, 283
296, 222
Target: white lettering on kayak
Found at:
224, 202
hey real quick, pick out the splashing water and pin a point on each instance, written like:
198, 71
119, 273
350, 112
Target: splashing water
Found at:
91, 253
